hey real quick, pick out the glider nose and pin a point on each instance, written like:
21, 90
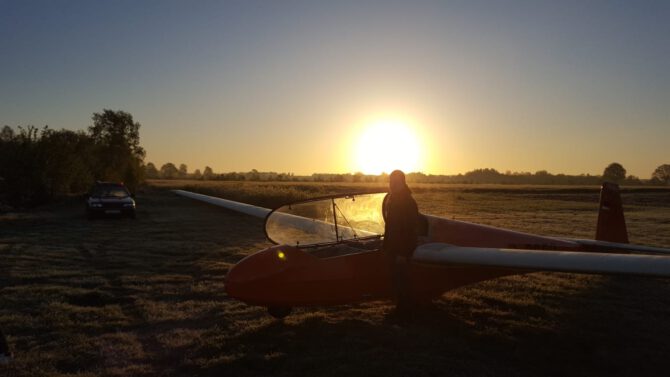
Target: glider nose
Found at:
250, 278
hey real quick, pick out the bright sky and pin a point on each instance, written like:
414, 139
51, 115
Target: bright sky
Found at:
296, 86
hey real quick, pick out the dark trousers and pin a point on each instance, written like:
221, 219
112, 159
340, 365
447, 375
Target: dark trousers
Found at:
400, 283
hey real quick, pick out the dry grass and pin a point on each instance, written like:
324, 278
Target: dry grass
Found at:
117, 297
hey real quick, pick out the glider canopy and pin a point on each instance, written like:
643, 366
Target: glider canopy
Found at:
327, 220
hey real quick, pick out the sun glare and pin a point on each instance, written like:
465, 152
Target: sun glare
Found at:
385, 146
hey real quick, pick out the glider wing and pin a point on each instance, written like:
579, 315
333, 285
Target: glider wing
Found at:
248, 209
543, 260
604, 246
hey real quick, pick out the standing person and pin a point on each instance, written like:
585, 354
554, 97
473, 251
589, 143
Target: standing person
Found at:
401, 217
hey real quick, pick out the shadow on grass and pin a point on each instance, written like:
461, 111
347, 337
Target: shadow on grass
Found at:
604, 330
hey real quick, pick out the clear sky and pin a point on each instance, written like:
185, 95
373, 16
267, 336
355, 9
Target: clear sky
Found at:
297, 86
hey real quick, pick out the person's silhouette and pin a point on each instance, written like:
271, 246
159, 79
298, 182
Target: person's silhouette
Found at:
401, 216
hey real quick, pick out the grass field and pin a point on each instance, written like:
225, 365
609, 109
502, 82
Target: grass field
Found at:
119, 297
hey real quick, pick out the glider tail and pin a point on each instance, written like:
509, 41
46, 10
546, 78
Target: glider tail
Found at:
611, 223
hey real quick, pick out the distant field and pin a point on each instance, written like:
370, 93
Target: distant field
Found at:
550, 210
117, 297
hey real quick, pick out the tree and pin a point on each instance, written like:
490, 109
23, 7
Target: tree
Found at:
21, 167
197, 174
483, 176
632, 180
63, 170
662, 174
119, 155
183, 171
169, 171
117, 129
150, 171
614, 172
253, 175
7, 134
37, 165
208, 173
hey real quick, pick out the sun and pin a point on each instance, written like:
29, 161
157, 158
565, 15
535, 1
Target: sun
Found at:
386, 145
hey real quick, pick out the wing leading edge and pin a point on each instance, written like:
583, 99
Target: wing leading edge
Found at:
604, 246
248, 209
543, 260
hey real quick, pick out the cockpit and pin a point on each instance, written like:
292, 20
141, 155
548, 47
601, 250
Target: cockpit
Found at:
329, 226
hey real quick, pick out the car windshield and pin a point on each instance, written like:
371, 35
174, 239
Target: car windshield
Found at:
328, 220
110, 191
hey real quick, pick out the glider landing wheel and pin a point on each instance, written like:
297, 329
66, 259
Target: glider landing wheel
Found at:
279, 312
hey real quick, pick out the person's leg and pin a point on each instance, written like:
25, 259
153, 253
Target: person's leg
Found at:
403, 288
396, 283
400, 286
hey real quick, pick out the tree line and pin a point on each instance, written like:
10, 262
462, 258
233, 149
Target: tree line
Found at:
38, 164
614, 172
170, 171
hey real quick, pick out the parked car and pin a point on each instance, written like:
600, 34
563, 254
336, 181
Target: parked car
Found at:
110, 198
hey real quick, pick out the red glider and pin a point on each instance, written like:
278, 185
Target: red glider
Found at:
328, 252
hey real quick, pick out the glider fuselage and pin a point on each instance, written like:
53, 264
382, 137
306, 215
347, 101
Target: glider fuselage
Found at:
357, 271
